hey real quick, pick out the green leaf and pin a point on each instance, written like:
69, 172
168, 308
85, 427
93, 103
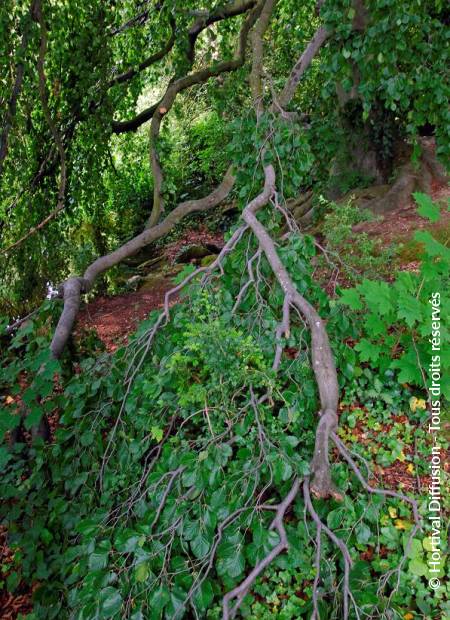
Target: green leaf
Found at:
417, 567
432, 246
204, 596
110, 602
127, 541
350, 297
378, 296
363, 534
142, 572
368, 350
374, 325
33, 418
159, 599
157, 433
200, 544
5, 456
426, 207
410, 309
231, 560
409, 369
99, 558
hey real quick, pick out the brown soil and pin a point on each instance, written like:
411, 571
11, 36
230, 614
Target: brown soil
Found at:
401, 224
11, 605
114, 318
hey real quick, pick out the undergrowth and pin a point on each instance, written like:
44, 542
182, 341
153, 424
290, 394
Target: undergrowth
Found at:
148, 502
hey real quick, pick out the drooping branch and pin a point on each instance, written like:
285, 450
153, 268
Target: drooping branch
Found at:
72, 289
56, 135
17, 87
322, 357
150, 60
168, 100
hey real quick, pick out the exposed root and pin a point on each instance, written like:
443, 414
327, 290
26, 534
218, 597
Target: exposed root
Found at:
411, 177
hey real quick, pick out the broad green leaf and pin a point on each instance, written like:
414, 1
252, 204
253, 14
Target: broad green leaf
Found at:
110, 603
426, 207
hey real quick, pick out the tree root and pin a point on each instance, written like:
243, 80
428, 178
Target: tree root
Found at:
410, 178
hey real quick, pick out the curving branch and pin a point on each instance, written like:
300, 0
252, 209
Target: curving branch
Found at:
197, 77
322, 357
168, 100
255, 78
234, 8
72, 289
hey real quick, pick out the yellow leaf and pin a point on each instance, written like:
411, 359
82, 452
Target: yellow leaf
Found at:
417, 403
392, 512
9, 400
401, 457
408, 616
410, 469
402, 525
413, 403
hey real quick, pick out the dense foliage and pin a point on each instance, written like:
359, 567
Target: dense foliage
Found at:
88, 519
398, 66
169, 459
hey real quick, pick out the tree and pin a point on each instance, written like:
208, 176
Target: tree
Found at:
75, 77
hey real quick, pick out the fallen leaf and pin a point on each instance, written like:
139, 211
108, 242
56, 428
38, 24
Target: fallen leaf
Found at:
400, 524
417, 403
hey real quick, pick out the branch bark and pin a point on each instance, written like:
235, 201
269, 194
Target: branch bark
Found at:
301, 65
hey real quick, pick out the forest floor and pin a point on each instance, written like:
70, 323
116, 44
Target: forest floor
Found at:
114, 318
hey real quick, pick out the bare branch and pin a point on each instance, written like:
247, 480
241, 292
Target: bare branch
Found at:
301, 65
240, 591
